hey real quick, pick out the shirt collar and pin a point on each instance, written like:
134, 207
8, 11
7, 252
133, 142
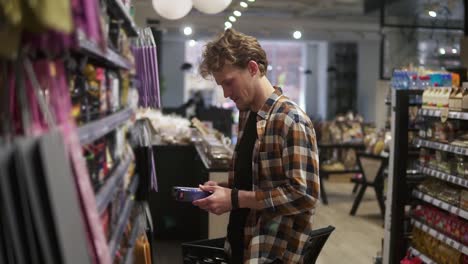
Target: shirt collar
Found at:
270, 102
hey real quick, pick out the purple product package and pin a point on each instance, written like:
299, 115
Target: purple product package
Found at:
188, 194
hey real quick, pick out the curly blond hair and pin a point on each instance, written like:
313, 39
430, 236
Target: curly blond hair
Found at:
234, 48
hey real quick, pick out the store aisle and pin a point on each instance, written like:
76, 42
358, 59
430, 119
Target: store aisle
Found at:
356, 239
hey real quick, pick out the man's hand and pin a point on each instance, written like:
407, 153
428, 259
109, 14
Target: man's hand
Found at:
219, 202
210, 183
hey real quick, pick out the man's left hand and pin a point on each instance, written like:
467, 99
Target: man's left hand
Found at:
219, 202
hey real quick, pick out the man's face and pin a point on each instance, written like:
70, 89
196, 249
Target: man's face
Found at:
237, 85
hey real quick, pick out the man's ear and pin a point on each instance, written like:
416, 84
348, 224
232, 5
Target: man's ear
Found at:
252, 67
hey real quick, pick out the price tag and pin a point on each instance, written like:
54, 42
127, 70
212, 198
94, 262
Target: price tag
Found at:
463, 116
450, 242
429, 199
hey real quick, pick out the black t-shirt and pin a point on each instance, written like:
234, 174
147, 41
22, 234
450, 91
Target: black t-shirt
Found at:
242, 181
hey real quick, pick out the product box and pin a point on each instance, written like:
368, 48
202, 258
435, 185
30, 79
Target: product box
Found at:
188, 194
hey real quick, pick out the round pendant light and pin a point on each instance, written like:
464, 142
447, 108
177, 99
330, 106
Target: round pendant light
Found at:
211, 6
169, 10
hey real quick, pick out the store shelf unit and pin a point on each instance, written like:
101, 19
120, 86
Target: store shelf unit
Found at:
400, 183
97, 129
441, 146
117, 8
107, 57
414, 252
444, 176
123, 219
438, 113
441, 204
441, 237
108, 190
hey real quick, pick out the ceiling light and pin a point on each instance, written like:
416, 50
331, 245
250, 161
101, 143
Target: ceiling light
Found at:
187, 31
232, 19
244, 4
237, 13
432, 13
251, 1
228, 24
297, 34
454, 50
192, 43
442, 51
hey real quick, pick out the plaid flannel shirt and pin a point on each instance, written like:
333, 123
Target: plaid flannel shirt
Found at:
285, 178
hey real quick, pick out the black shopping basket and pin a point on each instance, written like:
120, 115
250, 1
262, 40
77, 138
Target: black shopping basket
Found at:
204, 251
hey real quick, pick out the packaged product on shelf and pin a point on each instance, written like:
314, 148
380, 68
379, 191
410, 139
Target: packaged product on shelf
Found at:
96, 157
464, 199
455, 101
453, 227
101, 78
444, 132
93, 92
450, 195
441, 190
461, 166
445, 254
464, 259
442, 161
114, 34
113, 91
424, 157
464, 233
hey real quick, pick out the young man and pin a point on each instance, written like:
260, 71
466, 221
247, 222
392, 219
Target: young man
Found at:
273, 183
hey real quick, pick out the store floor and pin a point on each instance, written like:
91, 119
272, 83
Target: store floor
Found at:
355, 240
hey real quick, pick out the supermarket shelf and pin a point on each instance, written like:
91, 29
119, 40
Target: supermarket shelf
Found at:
423, 257
440, 204
437, 113
118, 10
441, 237
441, 146
444, 176
128, 259
97, 129
108, 57
123, 220
107, 192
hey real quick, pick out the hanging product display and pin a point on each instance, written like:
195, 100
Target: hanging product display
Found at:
147, 68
